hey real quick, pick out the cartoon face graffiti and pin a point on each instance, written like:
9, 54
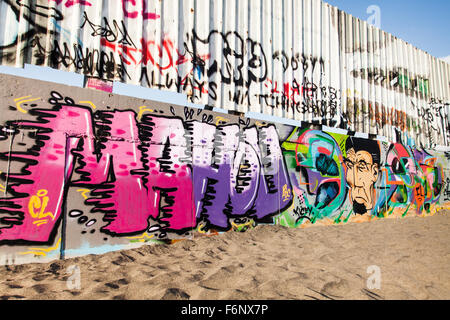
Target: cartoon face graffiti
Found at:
362, 170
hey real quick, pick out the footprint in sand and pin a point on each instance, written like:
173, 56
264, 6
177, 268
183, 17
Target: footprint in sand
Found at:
302, 275
40, 288
226, 277
54, 268
117, 283
40, 277
101, 291
403, 259
197, 277
123, 281
112, 285
327, 258
175, 294
336, 288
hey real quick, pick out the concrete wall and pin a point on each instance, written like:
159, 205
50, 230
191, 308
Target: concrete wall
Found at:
84, 171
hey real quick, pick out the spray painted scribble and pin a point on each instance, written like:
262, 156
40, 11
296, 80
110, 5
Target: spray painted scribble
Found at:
164, 168
326, 68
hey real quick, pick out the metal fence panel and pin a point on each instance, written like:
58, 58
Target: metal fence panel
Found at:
302, 60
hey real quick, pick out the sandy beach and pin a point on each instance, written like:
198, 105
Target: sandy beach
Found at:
267, 262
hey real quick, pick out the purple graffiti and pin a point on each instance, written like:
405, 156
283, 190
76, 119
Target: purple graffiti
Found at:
159, 168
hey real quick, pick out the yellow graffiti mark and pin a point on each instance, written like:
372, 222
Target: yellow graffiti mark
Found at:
351, 93
42, 251
292, 205
201, 229
286, 195
34, 252
2, 187
39, 202
259, 124
93, 106
142, 238
242, 225
142, 110
83, 192
219, 118
20, 101
40, 222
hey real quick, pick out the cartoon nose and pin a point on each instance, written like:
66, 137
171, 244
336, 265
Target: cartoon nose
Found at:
355, 178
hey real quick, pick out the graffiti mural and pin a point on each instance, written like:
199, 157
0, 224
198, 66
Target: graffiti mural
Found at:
84, 171
138, 170
337, 178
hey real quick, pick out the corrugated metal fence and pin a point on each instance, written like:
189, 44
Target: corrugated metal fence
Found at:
297, 59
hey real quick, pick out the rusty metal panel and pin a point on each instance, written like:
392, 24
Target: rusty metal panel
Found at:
303, 60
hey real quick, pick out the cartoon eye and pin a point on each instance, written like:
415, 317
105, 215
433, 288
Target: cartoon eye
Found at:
362, 167
349, 164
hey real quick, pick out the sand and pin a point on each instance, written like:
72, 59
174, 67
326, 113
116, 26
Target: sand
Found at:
267, 262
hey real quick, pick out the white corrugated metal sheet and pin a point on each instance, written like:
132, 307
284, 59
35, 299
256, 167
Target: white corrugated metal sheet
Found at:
298, 59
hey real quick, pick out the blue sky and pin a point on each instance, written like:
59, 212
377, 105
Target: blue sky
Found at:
423, 23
